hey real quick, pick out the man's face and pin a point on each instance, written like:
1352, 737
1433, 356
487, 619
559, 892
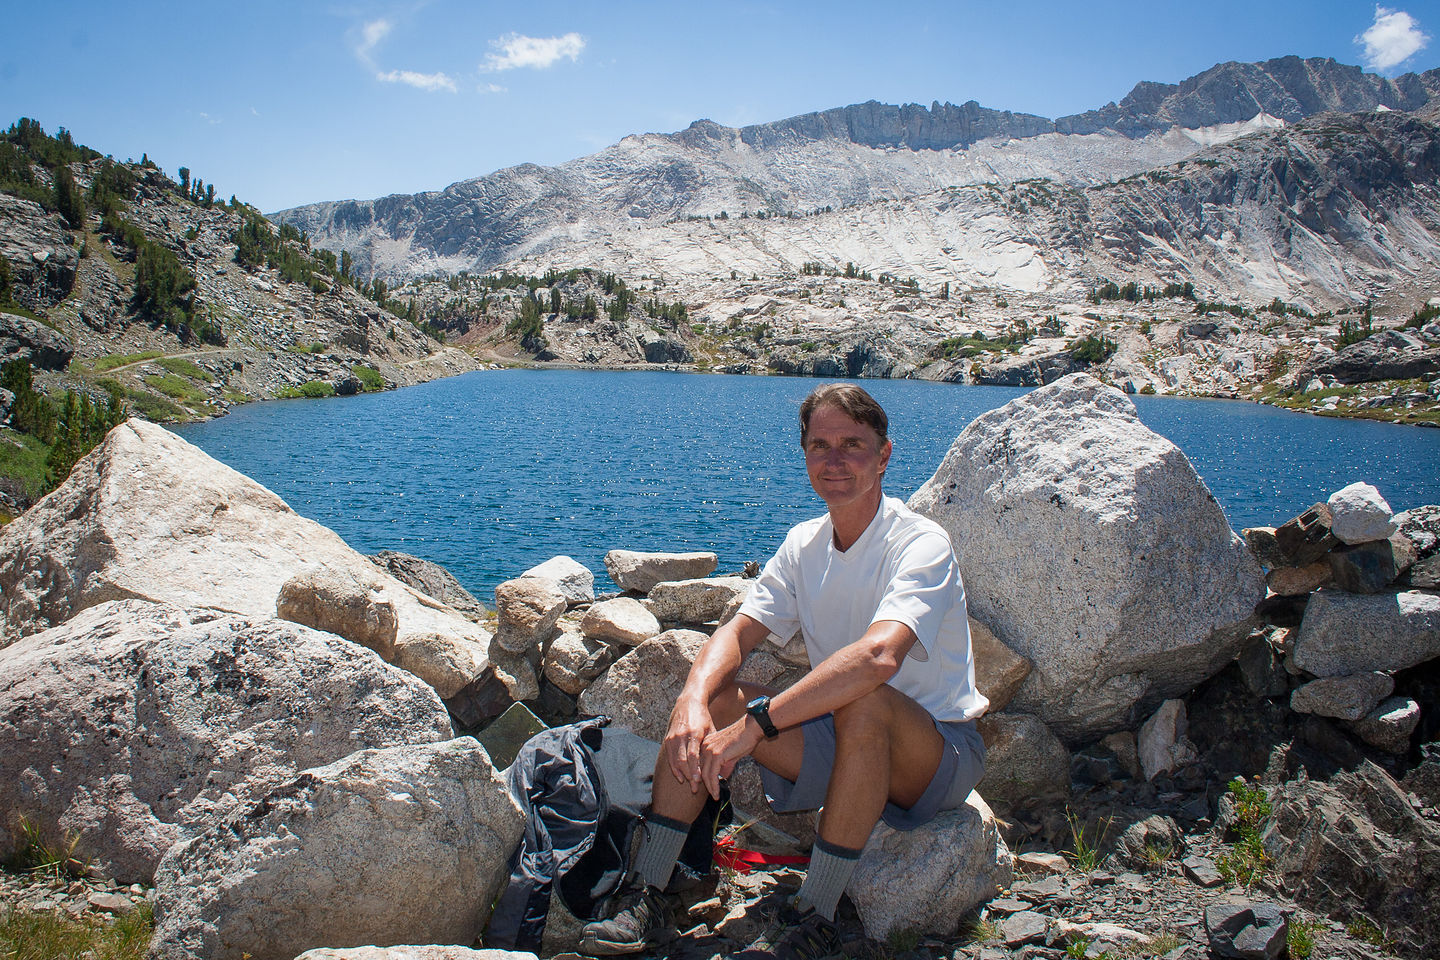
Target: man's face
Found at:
845, 459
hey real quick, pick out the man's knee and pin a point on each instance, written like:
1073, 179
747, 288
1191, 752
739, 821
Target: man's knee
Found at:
866, 717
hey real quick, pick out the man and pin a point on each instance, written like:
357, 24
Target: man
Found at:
882, 725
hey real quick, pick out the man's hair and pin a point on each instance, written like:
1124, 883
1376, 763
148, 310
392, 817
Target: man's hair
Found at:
850, 400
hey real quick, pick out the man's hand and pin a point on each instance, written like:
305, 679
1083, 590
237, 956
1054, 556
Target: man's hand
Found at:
690, 725
725, 748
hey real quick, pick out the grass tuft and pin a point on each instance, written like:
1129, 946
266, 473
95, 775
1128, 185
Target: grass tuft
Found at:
177, 388
1086, 849
108, 363
184, 367
35, 935
1300, 937
1247, 860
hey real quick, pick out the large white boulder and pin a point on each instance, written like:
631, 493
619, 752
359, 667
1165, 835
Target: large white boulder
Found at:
398, 846
1090, 546
928, 879
136, 724
149, 516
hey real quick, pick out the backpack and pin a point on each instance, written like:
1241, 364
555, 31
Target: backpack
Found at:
583, 788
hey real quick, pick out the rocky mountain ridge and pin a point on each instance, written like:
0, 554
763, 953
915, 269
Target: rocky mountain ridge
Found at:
848, 156
1006, 282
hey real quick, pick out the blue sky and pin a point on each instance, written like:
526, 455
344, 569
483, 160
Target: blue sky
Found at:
283, 103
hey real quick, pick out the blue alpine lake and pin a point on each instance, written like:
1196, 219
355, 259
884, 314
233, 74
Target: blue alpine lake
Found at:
491, 473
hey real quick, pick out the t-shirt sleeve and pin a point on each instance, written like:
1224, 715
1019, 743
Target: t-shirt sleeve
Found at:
772, 600
922, 590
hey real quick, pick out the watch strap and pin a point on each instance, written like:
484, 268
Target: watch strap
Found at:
759, 708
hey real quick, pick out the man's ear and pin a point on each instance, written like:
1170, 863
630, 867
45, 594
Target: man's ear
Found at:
885, 455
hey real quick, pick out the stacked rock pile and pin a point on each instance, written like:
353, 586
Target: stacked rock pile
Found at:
1351, 601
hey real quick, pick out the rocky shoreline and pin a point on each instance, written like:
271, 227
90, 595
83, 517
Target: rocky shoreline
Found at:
1199, 744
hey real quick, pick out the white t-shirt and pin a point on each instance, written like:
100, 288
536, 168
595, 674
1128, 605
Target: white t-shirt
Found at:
902, 568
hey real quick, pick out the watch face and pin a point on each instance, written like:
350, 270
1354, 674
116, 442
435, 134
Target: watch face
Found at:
759, 703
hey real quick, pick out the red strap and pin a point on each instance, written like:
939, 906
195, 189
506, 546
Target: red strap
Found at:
728, 855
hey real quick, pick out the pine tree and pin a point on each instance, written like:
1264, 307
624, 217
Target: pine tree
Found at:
184, 180
68, 198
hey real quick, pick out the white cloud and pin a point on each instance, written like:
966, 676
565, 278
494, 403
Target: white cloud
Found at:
491, 88
1393, 38
517, 50
370, 35
254, 111
420, 81
209, 119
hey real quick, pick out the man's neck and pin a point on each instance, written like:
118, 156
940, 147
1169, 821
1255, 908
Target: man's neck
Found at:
851, 521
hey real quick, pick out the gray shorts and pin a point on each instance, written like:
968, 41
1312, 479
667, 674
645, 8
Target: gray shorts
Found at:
962, 764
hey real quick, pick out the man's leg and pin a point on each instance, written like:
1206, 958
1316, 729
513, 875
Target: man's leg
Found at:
643, 913
886, 749
675, 805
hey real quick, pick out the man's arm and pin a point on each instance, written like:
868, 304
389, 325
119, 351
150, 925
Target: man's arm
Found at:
713, 671
841, 678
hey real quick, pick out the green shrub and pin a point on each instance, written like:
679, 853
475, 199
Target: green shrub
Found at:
310, 390
1355, 331
22, 462
369, 378
142, 402
1093, 348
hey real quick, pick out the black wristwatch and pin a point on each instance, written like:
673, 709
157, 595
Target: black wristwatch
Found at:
759, 708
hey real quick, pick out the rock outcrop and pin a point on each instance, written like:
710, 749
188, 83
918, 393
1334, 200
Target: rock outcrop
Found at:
146, 515
137, 724
1357, 843
1090, 546
401, 845
854, 157
24, 339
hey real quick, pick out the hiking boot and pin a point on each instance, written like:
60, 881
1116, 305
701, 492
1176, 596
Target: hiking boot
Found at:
644, 917
794, 934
